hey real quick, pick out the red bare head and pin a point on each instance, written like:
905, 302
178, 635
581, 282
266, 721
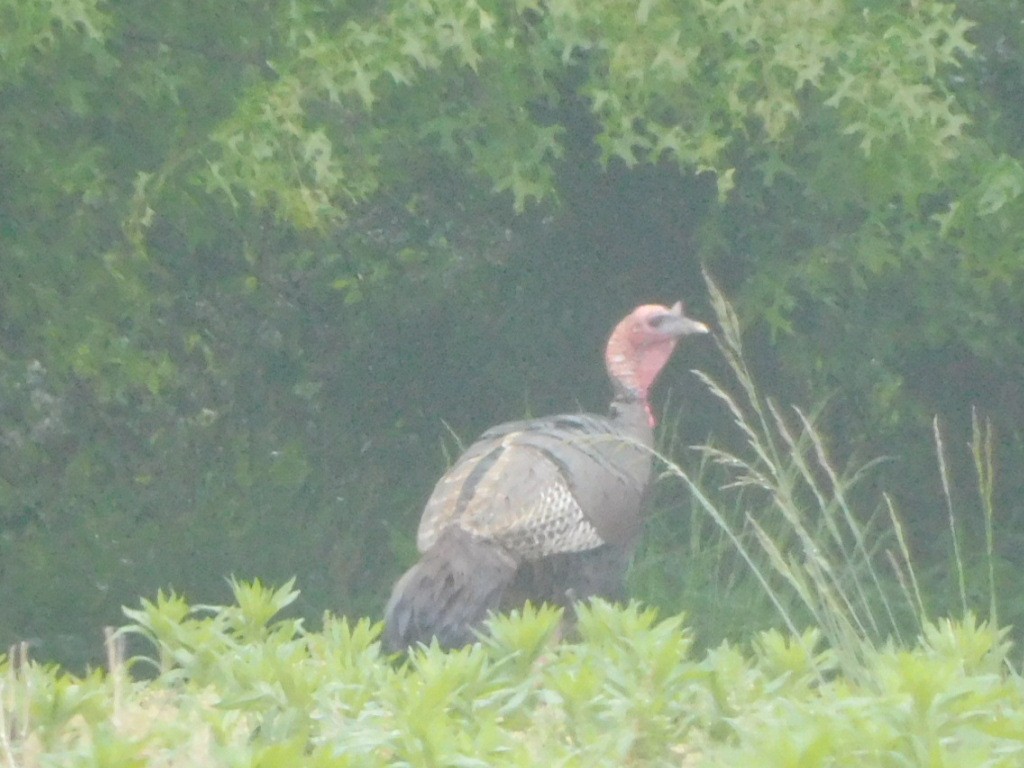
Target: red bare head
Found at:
642, 343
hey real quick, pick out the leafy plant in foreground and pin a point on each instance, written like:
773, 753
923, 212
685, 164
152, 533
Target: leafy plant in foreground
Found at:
630, 691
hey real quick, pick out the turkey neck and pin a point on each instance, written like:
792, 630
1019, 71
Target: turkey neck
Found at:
631, 417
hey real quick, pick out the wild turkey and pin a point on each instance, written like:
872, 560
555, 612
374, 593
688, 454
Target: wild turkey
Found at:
547, 509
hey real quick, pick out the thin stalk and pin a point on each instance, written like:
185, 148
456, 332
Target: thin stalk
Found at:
944, 475
897, 526
984, 468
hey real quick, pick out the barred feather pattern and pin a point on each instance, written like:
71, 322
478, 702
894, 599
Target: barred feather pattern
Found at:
554, 523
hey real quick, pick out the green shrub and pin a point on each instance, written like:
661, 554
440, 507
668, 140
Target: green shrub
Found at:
236, 686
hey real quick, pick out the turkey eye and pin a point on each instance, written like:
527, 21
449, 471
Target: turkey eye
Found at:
657, 321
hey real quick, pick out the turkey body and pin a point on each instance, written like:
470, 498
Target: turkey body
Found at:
546, 510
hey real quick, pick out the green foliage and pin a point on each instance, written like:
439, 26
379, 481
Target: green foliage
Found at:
251, 260
630, 691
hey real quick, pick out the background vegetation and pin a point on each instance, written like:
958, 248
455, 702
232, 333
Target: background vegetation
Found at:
258, 257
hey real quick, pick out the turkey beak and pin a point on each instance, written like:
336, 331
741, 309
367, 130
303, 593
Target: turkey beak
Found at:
682, 325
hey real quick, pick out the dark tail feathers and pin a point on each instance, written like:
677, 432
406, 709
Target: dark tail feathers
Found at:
448, 593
